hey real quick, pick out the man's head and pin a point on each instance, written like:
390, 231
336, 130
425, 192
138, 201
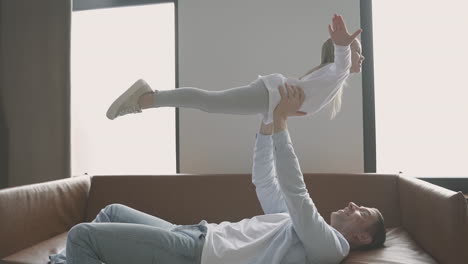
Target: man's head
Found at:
363, 227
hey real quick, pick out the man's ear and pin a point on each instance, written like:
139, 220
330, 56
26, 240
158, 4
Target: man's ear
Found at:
364, 238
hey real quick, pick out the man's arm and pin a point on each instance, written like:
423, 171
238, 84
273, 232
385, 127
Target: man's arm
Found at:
264, 173
320, 242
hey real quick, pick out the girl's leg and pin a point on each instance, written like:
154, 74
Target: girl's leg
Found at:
244, 100
93, 243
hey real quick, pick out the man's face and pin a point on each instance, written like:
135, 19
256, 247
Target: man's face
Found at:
353, 218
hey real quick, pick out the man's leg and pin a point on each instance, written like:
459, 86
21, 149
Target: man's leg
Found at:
118, 213
115, 243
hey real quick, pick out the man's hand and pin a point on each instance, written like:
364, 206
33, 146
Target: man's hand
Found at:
339, 34
291, 101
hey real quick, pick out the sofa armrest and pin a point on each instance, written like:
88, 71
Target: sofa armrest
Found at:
33, 213
436, 218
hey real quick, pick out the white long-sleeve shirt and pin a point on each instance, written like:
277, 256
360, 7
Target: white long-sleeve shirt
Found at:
320, 86
290, 231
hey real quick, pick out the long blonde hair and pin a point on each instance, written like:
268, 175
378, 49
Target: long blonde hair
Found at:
328, 56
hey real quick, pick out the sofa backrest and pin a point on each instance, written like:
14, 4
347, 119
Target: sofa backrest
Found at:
33, 213
436, 218
188, 199
180, 199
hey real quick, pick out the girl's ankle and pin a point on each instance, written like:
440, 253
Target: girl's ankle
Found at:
146, 100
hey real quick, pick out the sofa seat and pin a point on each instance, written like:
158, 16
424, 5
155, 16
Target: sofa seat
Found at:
399, 248
39, 253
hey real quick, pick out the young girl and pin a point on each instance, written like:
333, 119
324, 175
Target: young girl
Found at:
341, 55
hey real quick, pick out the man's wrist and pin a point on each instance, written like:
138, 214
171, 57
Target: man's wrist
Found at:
279, 121
279, 115
266, 129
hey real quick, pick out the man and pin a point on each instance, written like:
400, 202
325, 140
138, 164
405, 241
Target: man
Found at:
292, 230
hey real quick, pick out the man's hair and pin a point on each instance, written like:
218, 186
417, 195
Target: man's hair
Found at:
378, 233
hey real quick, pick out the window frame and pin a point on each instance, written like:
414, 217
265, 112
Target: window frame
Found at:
368, 107
81, 5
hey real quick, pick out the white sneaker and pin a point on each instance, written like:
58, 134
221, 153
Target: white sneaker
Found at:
127, 102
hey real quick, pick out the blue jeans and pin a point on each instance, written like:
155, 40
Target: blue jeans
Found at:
120, 234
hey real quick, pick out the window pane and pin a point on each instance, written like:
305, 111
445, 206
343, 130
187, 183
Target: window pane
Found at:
111, 49
420, 59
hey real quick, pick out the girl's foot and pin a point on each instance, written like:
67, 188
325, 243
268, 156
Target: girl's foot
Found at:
127, 102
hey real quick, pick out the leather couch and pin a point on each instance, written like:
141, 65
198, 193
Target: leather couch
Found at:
425, 223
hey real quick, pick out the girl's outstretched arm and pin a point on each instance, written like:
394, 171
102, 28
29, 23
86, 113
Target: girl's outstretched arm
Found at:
339, 33
339, 36
342, 41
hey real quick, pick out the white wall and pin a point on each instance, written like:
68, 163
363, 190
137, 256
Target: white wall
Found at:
225, 43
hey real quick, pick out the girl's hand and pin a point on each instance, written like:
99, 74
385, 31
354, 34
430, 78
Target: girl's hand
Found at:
339, 34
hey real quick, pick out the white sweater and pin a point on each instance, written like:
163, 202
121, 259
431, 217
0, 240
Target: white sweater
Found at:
320, 86
290, 231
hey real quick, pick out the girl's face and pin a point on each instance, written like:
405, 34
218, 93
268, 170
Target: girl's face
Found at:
356, 57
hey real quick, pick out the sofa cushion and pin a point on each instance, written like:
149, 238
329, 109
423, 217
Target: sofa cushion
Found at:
39, 253
398, 248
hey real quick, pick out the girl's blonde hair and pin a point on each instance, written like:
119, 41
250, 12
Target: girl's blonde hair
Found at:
328, 56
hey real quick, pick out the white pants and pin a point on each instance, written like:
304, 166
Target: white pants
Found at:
244, 100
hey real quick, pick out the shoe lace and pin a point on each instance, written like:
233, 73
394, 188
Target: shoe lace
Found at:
130, 109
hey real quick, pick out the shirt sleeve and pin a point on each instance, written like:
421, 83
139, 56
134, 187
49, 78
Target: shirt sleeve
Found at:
264, 176
320, 242
342, 58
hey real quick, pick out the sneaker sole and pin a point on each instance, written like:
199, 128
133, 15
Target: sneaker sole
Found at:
114, 108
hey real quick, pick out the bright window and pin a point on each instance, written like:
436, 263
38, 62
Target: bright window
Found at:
111, 49
421, 95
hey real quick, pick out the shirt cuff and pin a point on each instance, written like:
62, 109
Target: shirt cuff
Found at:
281, 138
263, 139
339, 48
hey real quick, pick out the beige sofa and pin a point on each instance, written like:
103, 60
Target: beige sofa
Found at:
425, 223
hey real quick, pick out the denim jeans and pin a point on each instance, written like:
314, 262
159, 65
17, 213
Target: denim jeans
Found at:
122, 235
